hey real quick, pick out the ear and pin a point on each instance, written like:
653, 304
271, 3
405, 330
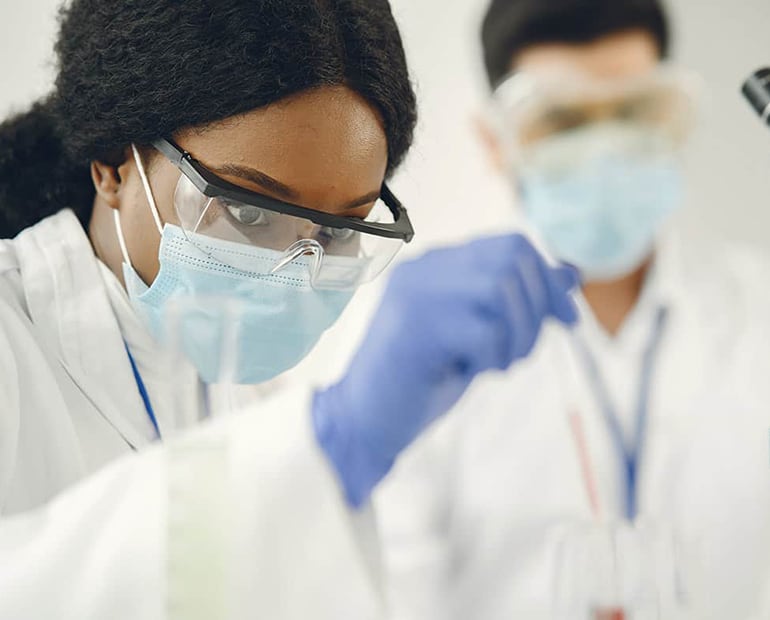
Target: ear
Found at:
107, 182
491, 144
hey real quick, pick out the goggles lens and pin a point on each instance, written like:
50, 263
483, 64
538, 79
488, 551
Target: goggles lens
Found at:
336, 258
534, 108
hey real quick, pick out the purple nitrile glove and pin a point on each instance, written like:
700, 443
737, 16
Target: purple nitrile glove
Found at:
444, 319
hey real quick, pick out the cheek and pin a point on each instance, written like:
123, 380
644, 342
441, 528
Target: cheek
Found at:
140, 228
164, 178
143, 239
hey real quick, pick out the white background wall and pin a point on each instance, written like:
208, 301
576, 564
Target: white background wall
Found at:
445, 182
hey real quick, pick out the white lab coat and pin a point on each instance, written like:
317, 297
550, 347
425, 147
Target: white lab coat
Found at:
242, 518
472, 515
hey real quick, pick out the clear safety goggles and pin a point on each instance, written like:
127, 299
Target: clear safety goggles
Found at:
339, 252
528, 109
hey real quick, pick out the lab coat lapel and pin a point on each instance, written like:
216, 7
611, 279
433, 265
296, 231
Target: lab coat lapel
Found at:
699, 323
67, 303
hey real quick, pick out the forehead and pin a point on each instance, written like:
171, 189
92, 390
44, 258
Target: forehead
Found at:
316, 135
624, 55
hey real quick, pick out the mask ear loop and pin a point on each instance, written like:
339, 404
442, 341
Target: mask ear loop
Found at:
150, 199
121, 238
147, 189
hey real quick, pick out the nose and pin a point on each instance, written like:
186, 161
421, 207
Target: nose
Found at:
303, 247
306, 229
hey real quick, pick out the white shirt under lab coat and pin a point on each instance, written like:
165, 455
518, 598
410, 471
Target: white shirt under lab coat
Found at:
242, 518
471, 516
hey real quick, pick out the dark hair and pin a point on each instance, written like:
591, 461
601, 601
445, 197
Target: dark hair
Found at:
137, 70
510, 26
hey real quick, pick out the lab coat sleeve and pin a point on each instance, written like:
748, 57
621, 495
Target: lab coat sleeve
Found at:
242, 519
412, 511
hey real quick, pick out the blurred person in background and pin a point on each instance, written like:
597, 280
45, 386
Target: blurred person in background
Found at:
654, 408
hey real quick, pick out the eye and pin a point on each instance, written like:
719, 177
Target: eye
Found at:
337, 234
555, 120
631, 110
562, 119
248, 215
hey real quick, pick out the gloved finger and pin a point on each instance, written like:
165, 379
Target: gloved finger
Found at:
547, 287
524, 320
561, 282
441, 277
486, 251
492, 247
457, 268
530, 273
538, 312
564, 307
567, 277
568, 313
518, 298
499, 254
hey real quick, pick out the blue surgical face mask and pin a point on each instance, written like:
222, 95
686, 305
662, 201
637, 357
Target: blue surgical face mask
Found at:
234, 325
599, 196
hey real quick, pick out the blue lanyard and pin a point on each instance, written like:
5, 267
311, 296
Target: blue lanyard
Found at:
143, 392
630, 455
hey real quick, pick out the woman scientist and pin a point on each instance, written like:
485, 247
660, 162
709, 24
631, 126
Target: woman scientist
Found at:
201, 165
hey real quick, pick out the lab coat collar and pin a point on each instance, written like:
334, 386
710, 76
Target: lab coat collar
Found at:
666, 281
141, 344
176, 393
69, 307
7, 258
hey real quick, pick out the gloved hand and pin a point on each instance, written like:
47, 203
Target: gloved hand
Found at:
444, 318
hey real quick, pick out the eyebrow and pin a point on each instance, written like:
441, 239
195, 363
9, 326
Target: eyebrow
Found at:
258, 178
280, 189
364, 200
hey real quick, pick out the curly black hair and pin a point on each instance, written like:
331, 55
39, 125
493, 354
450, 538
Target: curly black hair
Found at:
510, 26
136, 70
